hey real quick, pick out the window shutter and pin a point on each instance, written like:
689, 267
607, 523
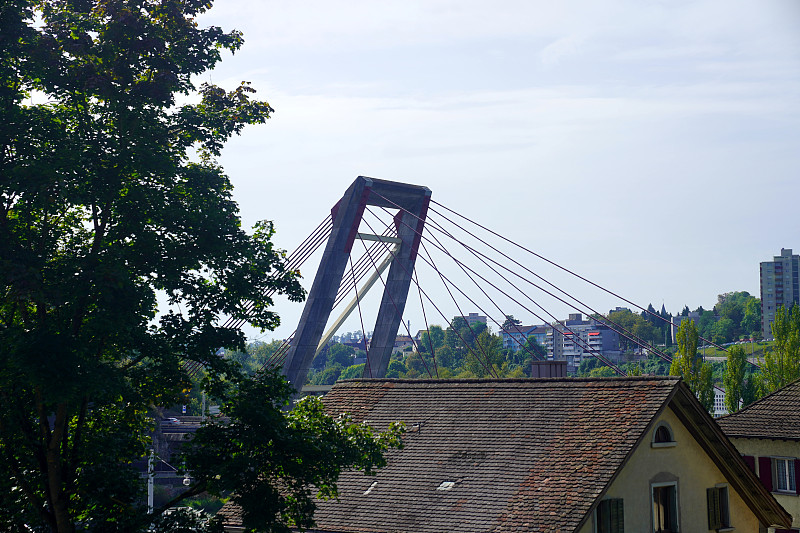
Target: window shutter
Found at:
765, 472
617, 516
750, 461
797, 476
604, 516
712, 498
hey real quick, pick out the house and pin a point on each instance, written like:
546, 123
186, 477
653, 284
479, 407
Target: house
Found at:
633, 454
401, 342
515, 337
767, 432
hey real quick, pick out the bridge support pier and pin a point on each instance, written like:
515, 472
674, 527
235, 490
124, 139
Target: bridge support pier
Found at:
412, 200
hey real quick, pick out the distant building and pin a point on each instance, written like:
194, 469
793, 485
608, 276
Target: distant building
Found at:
575, 339
514, 338
780, 286
474, 318
694, 316
719, 404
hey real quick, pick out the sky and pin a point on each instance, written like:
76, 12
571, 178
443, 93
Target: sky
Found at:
651, 146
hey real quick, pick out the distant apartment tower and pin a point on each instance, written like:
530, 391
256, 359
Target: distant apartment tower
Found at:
474, 318
780, 286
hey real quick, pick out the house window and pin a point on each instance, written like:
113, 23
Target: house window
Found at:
783, 474
662, 436
718, 512
665, 507
610, 516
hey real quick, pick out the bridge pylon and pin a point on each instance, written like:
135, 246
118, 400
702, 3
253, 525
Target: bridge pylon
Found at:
412, 203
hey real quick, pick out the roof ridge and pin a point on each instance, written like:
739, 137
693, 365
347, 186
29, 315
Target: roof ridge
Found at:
758, 402
514, 380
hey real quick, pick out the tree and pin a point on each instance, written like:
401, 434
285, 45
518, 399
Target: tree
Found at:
486, 357
635, 326
341, 354
722, 331
396, 368
781, 365
103, 206
510, 322
353, 372
705, 325
734, 379
434, 339
751, 321
602, 372
273, 474
690, 366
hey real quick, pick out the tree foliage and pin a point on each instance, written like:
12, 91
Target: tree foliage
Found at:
781, 365
690, 366
104, 207
296, 456
735, 379
641, 328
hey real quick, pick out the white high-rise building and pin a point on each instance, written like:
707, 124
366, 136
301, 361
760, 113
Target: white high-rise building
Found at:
780, 286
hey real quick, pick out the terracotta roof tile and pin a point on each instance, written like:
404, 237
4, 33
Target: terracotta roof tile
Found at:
521, 455
776, 416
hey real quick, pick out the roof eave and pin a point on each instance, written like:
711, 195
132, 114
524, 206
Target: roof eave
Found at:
727, 459
622, 464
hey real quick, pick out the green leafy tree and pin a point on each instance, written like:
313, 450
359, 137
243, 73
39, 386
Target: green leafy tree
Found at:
734, 379
635, 324
272, 476
656, 366
587, 365
705, 326
722, 331
487, 355
751, 320
110, 194
353, 371
329, 376
690, 366
340, 354
743, 310
602, 372
530, 351
510, 322
255, 355
781, 365
396, 369
434, 339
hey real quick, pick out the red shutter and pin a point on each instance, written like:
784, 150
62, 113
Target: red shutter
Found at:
797, 476
765, 472
750, 461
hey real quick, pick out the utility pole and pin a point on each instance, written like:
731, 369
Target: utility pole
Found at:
151, 474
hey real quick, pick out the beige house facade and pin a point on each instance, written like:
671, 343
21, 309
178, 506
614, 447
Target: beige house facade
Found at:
683, 467
767, 434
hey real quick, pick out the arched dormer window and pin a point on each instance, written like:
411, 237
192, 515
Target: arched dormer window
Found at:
663, 436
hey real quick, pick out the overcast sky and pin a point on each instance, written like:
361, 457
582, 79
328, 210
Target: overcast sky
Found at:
653, 147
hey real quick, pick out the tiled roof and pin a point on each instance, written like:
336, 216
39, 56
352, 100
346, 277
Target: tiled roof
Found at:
517, 455
776, 416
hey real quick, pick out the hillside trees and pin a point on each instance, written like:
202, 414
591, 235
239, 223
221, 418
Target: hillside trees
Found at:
744, 313
636, 324
103, 208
